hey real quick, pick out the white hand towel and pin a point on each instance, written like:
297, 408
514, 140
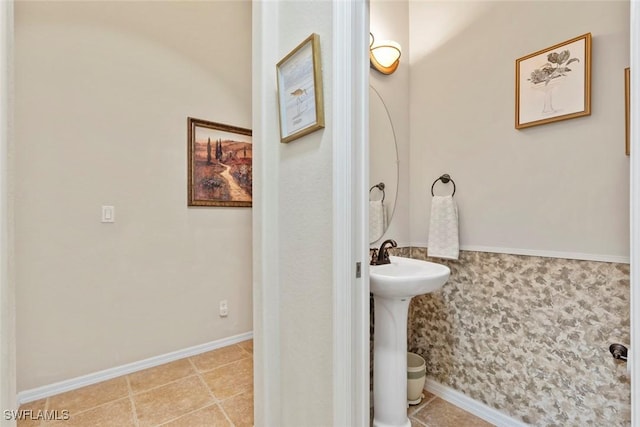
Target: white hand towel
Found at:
377, 220
443, 228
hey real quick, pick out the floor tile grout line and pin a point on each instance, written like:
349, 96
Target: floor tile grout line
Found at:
232, 396
215, 399
82, 411
193, 365
134, 393
136, 422
197, 375
194, 372
98, 406
226, 415
185, 414
206, 386
422, 405
244, 349
413, 419
46, 408
211, 402
249, 356
218, 401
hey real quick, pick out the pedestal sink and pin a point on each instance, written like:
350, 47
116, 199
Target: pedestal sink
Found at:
393, 285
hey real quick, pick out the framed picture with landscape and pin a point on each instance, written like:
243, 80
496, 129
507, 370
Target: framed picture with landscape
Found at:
220, 164
554, 84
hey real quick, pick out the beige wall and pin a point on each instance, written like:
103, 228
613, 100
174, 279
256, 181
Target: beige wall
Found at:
557, 188
305, 239
7, 282
293, 226
103, 91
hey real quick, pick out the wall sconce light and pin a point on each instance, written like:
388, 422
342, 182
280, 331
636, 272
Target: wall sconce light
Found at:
385, 56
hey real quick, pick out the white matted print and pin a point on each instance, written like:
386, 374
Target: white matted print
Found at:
554, 84
300, 90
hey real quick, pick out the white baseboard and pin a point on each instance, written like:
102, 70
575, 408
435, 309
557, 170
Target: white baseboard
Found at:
107, 374
478, 409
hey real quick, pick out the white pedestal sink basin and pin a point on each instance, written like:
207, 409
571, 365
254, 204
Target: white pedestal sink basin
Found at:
393, 285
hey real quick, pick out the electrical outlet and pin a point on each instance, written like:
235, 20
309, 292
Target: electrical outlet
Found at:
224, 309
108, 214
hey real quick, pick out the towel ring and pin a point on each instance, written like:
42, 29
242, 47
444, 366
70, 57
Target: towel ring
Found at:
445, 179
379, 187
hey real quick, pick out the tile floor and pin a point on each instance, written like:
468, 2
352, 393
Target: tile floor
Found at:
435, 412
208, 390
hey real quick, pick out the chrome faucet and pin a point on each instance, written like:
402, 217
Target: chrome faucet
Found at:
383, 253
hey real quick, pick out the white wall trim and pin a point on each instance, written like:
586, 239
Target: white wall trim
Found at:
538, 253
107, 374
342, 212
478, 409
634, 180
7, 287
267, 400
350, 174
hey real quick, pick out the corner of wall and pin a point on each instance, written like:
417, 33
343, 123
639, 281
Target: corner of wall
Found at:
7, 282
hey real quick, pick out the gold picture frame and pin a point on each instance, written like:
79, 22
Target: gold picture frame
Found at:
220, 161
548, 89
627, 110
300, 100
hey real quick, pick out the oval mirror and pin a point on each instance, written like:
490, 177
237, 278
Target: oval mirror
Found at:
383, 167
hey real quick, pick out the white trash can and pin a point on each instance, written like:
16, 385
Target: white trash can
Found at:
416, 375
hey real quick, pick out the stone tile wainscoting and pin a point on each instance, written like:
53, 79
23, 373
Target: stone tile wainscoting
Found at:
528, 336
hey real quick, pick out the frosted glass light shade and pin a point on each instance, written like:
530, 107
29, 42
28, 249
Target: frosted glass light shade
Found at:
385, 56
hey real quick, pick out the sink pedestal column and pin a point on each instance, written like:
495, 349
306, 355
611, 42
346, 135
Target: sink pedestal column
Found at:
390, 362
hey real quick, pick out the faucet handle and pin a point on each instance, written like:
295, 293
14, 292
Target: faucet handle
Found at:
374, 256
